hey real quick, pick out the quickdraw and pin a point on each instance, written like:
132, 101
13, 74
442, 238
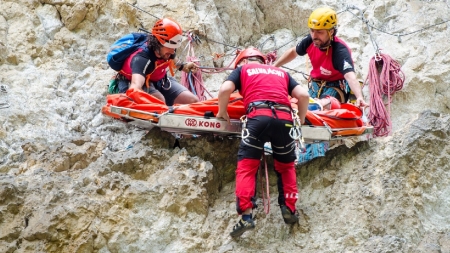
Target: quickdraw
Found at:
244, 132
296, 132
323, 84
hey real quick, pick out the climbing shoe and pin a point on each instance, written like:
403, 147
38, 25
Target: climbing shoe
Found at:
241, 227
288, 216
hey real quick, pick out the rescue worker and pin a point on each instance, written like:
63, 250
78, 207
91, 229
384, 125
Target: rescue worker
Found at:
265, 91
147, 69
333, 72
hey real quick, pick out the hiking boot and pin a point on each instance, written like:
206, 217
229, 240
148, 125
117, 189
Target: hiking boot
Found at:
241, 227
288, 216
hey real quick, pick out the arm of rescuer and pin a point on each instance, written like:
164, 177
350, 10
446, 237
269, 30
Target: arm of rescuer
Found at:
138, 80
186, 66
288, 56
302, 96
356, 88
225, 91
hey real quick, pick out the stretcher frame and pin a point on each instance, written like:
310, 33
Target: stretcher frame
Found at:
196, 125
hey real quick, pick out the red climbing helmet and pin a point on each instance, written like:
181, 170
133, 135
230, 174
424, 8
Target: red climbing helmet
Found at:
168, 32
247, 53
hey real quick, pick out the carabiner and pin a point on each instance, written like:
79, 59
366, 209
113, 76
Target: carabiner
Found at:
295, 133
164, 82
244, 133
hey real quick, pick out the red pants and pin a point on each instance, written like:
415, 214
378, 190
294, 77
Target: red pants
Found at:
263, 129
246, 184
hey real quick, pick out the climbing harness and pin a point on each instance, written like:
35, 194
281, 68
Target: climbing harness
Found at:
339, 86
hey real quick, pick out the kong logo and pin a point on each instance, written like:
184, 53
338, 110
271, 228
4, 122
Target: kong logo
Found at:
190, 122
201, 123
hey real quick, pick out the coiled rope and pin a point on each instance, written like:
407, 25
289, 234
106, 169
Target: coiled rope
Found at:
194, 81
385, 78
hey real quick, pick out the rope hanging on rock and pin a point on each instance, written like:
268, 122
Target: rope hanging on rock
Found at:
193, 81
385, 78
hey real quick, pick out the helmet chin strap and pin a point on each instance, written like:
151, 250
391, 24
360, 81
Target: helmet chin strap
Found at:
325, 47
328, 45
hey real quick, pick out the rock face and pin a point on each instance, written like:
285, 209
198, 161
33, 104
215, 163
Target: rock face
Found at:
73, 180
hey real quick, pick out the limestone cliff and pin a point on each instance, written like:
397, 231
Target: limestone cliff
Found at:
73, 180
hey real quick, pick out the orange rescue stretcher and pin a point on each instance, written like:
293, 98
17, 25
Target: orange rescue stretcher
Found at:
145, 111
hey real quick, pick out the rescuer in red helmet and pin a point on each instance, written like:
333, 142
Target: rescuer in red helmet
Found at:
265, 90
147, 69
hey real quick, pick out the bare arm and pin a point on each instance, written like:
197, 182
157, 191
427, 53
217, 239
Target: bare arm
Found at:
224, 96
302, 96
187, 67
137, 81
356, 88
288, 56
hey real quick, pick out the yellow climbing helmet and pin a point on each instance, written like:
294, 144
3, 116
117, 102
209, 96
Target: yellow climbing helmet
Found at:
322, 18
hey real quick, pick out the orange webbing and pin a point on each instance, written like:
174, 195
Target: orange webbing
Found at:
235, 107
348, 132
170, 63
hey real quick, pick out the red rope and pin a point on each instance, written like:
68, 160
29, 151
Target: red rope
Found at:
271, 57
385, 82
264, 174
197, 79
200, 83
214, 70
